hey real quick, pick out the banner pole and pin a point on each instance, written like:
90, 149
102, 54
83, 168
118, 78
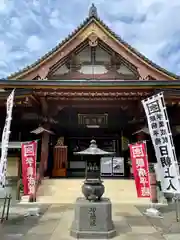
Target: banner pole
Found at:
151, 204
152, 211
35, 177
176, 203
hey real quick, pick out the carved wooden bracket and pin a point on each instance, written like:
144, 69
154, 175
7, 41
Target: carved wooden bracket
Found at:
54, 108
136, 109
49, 111
142, 74
146, 78
93, 40
143, 78
47, 120
43, 73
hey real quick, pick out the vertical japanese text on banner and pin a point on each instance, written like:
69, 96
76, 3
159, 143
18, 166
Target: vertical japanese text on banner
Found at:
140, 168
162, 140
29, 166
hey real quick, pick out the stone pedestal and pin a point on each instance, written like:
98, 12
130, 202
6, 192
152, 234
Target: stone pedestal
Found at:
93, 219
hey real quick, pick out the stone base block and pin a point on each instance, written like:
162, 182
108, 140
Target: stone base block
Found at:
93, 219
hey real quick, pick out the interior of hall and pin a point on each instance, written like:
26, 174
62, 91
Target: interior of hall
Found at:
112, 126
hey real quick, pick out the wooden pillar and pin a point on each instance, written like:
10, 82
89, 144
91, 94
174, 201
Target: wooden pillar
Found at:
44, 152
44, 139
48, 111
19, 170
19, 166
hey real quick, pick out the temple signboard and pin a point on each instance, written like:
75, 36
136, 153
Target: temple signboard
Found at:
88, 120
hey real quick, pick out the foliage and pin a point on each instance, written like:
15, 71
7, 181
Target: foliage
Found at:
21, 186
151, 168
129, 163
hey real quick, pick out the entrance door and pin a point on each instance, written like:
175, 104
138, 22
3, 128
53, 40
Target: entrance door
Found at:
109, 166
60, 161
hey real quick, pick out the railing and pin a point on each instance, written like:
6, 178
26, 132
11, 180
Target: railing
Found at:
6, 205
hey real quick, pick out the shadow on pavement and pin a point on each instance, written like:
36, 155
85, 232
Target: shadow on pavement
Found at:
18, 225
168, 224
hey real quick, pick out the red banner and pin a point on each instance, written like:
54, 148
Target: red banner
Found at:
29, 155
140, 168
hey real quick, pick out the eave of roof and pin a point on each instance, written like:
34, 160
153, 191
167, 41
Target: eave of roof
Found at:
19, 93
85, 23
82, 84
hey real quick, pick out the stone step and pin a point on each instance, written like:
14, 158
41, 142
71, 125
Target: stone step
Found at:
25, 199
67, 190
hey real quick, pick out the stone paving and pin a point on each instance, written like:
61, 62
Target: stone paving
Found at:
55, 220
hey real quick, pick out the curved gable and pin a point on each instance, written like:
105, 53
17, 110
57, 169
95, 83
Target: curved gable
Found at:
94, 25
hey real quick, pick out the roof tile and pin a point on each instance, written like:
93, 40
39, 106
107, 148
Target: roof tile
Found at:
87, 21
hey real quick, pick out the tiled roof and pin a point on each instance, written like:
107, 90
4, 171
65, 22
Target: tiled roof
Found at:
41, 130
93, 16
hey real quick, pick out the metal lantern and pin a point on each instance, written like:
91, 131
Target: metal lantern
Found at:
93, 188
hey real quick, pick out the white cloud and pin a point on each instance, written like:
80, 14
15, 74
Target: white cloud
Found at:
15, 23
152, 26
55, 13
4, 51
2, 64
54, 19
6, 6
36, 3
3, 6
34, 43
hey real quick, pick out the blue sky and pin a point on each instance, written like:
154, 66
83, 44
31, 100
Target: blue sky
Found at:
30, 28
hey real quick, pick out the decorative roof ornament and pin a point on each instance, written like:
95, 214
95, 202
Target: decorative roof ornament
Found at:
93, 11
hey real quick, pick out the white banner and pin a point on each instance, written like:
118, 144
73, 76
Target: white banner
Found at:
5, 139
162, 140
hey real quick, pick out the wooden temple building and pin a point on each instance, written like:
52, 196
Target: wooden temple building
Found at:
88, 86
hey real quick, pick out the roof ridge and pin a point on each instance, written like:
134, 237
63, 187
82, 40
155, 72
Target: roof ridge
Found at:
134, 50
94, 16
54, 49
